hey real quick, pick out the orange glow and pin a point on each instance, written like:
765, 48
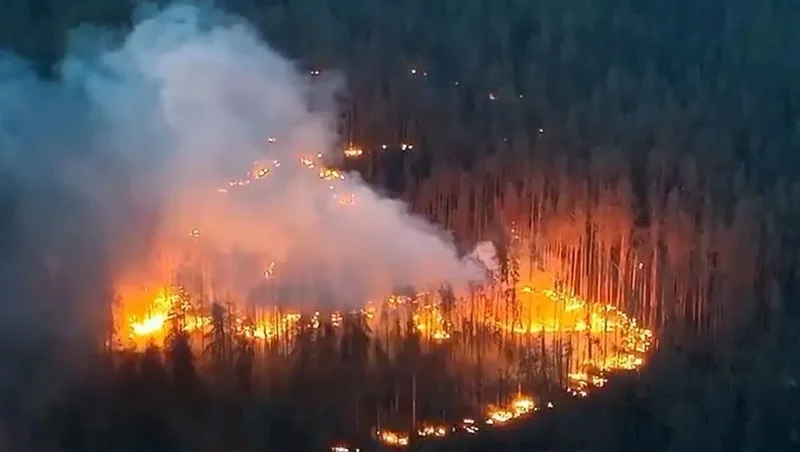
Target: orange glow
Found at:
392, 439
353, 152
521, 406
433, 430
331, 174
146, 313
429, 321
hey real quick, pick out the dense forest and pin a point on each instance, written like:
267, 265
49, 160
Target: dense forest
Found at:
645, 146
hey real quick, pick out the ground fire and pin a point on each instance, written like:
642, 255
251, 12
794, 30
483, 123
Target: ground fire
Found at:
602, 338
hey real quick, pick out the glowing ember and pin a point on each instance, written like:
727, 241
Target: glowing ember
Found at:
432, 430
353, 152
331, 174
518, 407
308, 163
341, 448
392, 439
469, 425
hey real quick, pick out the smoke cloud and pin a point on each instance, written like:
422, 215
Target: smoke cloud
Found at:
119, 172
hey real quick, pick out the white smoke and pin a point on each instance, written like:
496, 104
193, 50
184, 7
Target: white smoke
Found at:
486, 254
189, 100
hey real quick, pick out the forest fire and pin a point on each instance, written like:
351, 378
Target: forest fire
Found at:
283, 307
602, 337
432, 430
353, 152
537, 309
518, 407
453, 269
556, 314
496, 416
343, 448
392, 439
541, 313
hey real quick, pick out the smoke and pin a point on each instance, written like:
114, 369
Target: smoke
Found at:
486, 254
118, 172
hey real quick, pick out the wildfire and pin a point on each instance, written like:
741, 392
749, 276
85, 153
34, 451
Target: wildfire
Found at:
153, 320
342, 448
556, 313
469, 426
149, 325
518, 407
551, 312
331, 174
429, 321
580, 383
496, 416
392, 439
145, 316
169, 304
433, 430
353, 152
308, 163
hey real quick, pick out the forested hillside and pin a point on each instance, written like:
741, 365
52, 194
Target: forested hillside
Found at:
716, 76
659, 133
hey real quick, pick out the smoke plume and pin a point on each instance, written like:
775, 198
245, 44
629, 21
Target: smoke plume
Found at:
124, 169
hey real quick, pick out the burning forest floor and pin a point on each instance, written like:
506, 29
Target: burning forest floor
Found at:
617, 417
429, 365
449, 367
409, 367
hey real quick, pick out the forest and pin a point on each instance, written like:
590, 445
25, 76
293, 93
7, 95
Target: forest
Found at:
637, 153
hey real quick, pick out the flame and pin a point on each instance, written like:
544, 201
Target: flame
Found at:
308, 163
469, 426
331, 174
343, 448
432, 430
392, 439
146, 313
428, 320
353, 152
556, 313
520, 406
